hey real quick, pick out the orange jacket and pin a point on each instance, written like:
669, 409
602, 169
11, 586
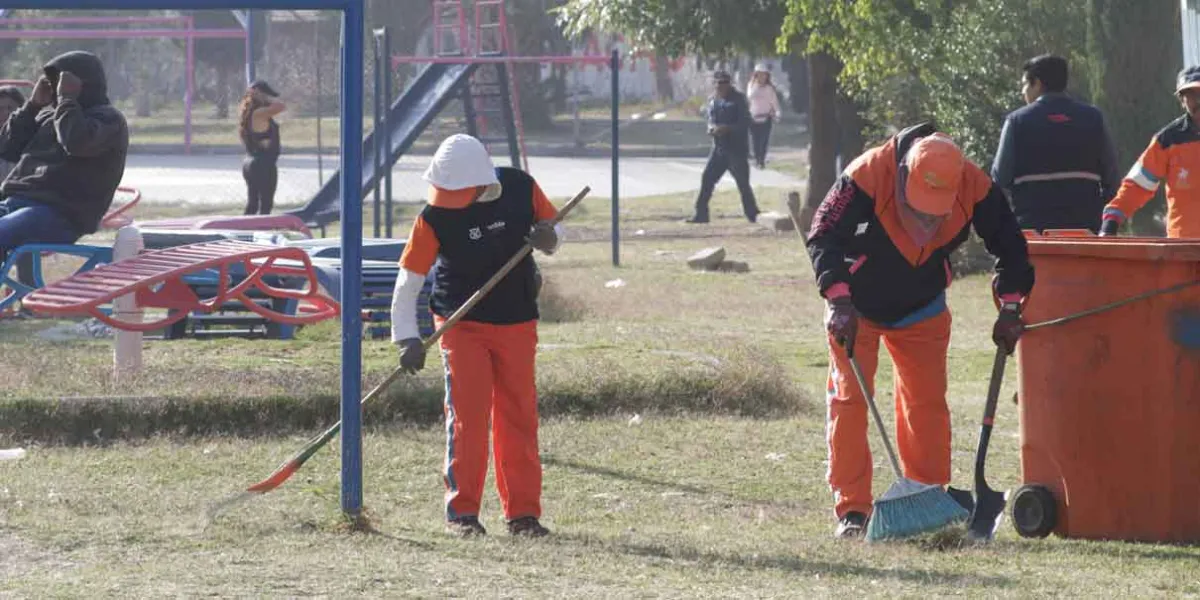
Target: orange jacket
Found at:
1173, 156
858, 243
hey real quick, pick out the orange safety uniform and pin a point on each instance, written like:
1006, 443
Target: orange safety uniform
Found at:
489, 355
1173, 156
859, 246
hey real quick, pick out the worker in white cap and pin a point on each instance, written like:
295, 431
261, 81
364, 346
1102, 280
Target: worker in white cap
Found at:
477, 218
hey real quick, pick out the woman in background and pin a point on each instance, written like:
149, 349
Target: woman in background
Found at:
764, 110
260, 135
11, 99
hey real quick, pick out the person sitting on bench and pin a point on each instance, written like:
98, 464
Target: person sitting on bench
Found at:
69, 145
11, 99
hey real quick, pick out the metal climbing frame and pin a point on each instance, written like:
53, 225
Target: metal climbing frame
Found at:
491, 103
449, 28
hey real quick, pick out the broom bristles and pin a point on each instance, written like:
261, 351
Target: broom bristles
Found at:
910, 508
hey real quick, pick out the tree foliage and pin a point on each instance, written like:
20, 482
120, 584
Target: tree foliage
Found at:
957, 63
681, 27
1134, 55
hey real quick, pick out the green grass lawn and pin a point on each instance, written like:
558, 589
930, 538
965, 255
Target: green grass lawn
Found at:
717, 490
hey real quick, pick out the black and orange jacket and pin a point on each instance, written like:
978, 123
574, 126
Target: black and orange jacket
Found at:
466, 243
857, 237
1173, 156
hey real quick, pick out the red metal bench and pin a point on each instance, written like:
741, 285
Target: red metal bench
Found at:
116, 218
239, 222
156, 279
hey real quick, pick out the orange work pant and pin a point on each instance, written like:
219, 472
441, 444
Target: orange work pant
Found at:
490, 387
922, 435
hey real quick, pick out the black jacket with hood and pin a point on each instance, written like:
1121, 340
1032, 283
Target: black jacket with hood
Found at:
71, 154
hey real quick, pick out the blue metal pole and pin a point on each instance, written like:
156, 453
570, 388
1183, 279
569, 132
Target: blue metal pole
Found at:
251, 32
380, 161
387, 126
352, 117
616, 156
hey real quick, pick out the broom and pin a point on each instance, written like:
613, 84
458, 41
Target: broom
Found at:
293, 464
908, 507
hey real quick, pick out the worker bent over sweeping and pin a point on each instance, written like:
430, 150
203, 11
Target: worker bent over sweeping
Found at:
477, 218
880, 244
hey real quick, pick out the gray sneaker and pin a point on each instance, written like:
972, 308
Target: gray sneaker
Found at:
465, 527
527, 527
851, 526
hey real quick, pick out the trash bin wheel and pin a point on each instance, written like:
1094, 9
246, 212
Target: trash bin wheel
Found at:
1034, 511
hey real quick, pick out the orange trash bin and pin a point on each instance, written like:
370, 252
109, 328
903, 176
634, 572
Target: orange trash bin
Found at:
1110, 403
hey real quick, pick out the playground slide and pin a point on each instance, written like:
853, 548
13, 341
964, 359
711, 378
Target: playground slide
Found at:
408, 117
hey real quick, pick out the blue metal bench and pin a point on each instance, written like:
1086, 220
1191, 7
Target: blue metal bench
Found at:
14, 290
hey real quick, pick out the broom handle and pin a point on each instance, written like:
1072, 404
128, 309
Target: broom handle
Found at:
477, 296
862, 382
887, 443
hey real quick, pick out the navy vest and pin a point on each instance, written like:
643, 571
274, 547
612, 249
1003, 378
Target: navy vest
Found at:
1057, 134
474, 242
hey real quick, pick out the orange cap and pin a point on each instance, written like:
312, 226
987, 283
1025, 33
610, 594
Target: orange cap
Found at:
935, 168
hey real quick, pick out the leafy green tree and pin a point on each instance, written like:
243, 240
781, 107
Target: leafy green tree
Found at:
681, 27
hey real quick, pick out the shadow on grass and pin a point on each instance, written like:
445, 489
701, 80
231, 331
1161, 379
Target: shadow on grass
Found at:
787, 563
630, 477
1109, 549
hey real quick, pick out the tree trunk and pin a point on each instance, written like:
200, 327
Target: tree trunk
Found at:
850, 128
223, 93
823, 131
143, 106
1131, 82
662, 79
796, 67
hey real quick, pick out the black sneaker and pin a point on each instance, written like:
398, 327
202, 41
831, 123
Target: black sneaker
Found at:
851, 526
465, 527
527, 527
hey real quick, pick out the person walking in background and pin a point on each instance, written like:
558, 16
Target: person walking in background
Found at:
260, 135
728, 124
1056, 160
11, 99
764, 111
1172, 156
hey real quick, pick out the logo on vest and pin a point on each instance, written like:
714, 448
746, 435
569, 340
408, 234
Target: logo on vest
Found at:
475, 233
496, 225
1182, 182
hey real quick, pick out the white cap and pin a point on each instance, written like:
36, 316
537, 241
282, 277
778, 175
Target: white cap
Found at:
462, 162
762, 66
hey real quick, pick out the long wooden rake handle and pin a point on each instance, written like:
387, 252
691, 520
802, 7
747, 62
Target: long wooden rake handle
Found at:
294, 463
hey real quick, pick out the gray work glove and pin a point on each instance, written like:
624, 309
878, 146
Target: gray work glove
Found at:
412, 355
543, 237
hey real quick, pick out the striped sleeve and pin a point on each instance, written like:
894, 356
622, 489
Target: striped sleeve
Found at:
1139, 184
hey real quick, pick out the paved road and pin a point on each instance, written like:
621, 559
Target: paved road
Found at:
217, 179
